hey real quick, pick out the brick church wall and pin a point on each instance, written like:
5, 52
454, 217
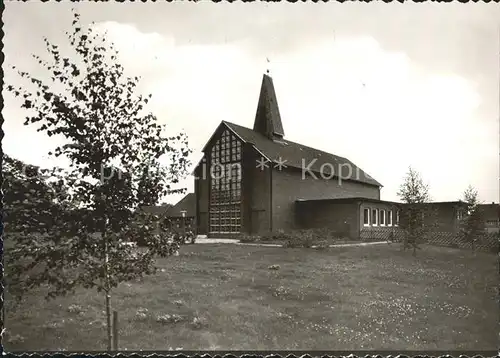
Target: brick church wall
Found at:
256, 194
202, 196
340, 218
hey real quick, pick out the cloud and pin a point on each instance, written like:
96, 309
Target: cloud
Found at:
345, 94
385, 112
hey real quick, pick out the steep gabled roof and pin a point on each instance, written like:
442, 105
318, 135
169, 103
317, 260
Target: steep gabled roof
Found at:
187, 203
155, 209
268, 118
300, 156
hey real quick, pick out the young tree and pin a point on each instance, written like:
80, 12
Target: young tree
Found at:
30, 203
117, 152
416, 218
472, 225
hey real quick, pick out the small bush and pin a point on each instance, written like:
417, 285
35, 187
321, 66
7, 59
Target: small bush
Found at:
281, 291
249, 238
53, 325
189, 237
278, 235
75, 309
284, 315
141, 314
169, 318
305, 238
179, 303
322, 245
302, 238
198, 322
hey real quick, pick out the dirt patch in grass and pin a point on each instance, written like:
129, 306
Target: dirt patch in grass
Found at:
226, 297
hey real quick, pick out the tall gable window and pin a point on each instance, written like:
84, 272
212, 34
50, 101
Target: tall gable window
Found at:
382, 217
374, 217
389, 217
225, 185
366, 216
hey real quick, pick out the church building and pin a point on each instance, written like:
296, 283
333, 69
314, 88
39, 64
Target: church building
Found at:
254, 180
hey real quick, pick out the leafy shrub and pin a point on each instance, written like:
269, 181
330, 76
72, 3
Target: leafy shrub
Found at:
250, 238
179, 303
75, 309
279, 235
300, 238
192, 235
169, 318
322, 245
199, 322
305, 238
141, 314
281, 292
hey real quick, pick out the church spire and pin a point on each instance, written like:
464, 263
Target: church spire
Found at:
267, 118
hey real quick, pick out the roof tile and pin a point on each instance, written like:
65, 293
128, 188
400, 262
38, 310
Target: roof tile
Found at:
303, 157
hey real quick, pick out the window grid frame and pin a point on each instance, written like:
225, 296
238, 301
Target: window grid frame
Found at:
374, 217
225, 185
366, 218
381, 219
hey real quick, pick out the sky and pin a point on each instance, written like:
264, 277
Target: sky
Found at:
387, 86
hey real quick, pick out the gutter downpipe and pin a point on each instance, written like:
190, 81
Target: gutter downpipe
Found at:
271, 198
359, 219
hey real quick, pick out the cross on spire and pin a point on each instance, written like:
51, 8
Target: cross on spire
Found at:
268, 62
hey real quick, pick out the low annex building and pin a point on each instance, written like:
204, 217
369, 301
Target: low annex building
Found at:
183, 214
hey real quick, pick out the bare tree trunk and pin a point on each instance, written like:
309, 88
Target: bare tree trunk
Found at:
108, 321
115, 330
107, 289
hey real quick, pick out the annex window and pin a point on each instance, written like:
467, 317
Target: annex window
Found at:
397, 218
366, 217
492, 222
374, 217
382, 217
389, 218
225, 185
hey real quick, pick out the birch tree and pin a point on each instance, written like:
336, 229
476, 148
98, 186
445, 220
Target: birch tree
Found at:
121, 158
417, 216
472, 226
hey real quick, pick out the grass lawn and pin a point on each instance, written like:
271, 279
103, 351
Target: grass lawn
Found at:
225, 297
